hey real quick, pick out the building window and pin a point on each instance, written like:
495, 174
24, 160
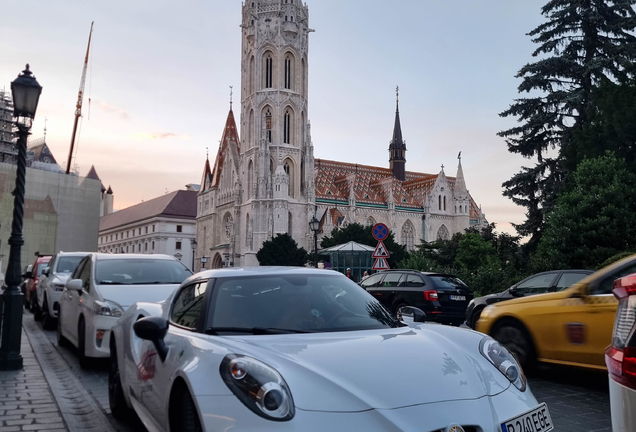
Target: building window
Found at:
115, 236
127, 234
153, 245
126, 249
268, 71
179, 228
288, 71
146, 230
139, 231
153, 228
178, 247
145, 246
444, 203
439, 205
139, 248
286, 127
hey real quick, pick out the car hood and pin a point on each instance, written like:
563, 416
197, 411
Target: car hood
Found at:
126, 295
381, 369
60, 278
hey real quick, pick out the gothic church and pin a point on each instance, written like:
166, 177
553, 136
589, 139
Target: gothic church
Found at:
265, 180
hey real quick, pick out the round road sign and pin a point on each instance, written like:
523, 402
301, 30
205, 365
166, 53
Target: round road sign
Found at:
380, 231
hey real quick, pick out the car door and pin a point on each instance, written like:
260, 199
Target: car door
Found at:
78, 301
387, 289
154, 376
44, 281
583, 325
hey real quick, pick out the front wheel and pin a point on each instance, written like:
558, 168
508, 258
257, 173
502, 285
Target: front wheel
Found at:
81, 344
515, 338
187, 419
37, 314
476, 316
116, 399
47, 319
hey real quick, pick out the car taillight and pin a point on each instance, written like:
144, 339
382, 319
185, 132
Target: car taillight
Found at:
430, 295
620, 357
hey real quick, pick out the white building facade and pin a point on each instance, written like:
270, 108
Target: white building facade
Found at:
266, 182
164, 225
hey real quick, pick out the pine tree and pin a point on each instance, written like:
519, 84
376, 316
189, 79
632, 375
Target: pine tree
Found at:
582, 43
281, 250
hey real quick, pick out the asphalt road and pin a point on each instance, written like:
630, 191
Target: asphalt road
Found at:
578, 400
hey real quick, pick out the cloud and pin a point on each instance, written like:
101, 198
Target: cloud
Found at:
112, 109
142, 136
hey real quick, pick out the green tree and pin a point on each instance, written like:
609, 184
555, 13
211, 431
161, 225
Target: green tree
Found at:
595, 219
474, 252
361, 234
581, 43
281, 250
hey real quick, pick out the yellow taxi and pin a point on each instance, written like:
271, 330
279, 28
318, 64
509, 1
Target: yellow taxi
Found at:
570, 327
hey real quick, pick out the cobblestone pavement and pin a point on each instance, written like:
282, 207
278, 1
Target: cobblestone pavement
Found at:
578, 400
26, 401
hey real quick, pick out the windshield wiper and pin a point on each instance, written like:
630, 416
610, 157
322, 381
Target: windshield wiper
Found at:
110, 283
253, 330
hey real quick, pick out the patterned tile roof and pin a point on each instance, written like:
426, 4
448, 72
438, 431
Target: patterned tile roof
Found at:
371, 185
230, 135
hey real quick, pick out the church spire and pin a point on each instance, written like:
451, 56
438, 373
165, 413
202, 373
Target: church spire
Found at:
460, 184
397, 147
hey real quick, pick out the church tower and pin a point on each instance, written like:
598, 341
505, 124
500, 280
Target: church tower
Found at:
276, 150
397, 146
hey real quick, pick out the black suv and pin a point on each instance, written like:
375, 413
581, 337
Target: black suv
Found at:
442, 296
539, 283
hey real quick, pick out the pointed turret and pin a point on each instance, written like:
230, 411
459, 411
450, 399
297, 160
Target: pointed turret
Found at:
397, 146
460, 184
230, 139
92, 174
207, 173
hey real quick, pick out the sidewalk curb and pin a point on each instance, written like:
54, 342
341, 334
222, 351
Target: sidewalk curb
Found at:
78, 408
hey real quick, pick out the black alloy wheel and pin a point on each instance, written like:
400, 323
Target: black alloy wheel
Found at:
515, 338
116, 399
47, 319
476, 316
61, 340
81, 343
397, 307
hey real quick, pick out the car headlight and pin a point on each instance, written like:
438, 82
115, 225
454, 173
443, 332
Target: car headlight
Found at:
487, 311
505, 363
260, 387
107, 308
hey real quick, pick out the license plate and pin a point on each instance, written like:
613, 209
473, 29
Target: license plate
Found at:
458, 298
536, 420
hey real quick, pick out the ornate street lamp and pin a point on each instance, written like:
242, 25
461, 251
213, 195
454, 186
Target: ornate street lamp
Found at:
193, 245
25, 91
314, 225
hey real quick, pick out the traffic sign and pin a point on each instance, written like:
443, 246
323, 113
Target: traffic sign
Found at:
381, 264
380, 251
380, 231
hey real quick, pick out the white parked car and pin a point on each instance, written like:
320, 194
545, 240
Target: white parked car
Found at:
620, 357
294, 349
51, 284
102, 287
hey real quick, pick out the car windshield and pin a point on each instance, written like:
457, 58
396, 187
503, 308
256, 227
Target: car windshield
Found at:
67, 264
295, 303
445, 281
140, 272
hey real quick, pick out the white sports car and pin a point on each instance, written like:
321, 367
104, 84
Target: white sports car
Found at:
293, 349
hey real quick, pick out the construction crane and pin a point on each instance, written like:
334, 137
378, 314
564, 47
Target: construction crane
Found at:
78, 107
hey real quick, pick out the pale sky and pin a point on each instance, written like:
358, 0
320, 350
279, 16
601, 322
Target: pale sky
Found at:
159, 76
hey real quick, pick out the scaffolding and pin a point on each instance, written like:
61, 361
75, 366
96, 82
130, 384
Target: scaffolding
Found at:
8, 150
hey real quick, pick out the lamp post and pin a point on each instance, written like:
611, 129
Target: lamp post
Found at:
314, 225
193, 245
25, 91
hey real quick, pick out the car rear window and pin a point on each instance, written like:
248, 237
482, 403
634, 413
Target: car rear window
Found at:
445, 281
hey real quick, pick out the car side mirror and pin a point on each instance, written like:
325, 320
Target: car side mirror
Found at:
46, 272
579, 292
153, 329
74, 285
410, 314
513, 291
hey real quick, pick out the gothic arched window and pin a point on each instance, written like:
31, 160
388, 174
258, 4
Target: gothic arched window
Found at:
269, 71
408, 236
287, 128
288, 71
442, 233
250, 180
250, 77
289, 170
268, 125
439, 205
370, 221
444, 203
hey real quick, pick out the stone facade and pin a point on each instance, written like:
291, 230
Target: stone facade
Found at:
267, 182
